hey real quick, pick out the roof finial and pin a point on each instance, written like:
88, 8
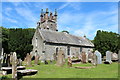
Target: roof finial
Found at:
41, 12
55, 12
84, 35
46, 10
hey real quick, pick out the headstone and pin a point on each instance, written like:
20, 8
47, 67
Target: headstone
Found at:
99, 57
28, 60
20, 62
90, 56
1, 58
83, 57
94, 59
55, 56
36, 60
86, 57
108, 56
43, 57
14, 66
8, 60
69, 62
60, 58
114, 56
119, 56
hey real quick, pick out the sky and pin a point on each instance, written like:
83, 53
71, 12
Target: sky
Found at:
79, 18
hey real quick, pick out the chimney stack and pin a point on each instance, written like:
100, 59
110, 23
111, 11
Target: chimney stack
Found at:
46, 14
41, 15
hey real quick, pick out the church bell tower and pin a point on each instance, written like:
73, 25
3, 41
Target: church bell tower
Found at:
48, 21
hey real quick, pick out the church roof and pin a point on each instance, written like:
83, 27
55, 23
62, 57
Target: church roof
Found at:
64, 38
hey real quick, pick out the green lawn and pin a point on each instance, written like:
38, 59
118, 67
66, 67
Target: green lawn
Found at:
53, 71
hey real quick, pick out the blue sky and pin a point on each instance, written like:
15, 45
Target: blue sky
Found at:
79, 18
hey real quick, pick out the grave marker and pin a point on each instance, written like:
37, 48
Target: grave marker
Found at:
28, 60
99, 59
108, 56
36, 60
84, 57
60, 58
14, 66
114, 56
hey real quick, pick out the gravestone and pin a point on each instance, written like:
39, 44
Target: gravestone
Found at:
99, 57
90, 56
86, 57
94, 59
14, 66
60, 58
1, 58
119, 56
36, 60
55, 56
20, 62
108, 57
69, 62
8, 60
28, 60
83, 54
114, 57
43, 57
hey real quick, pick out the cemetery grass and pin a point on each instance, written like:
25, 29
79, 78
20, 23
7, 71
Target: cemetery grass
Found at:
52, 71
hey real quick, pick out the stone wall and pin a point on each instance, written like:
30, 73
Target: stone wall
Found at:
38, 45
50, 50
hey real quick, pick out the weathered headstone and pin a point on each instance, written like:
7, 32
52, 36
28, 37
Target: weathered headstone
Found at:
28, 60
55, 56
114, 56
99, 57
119, 56
14, 66
8, 60
83, 57
69, 62
108, 56
20, 62
43, 57
94, 59
60, 58
90, 56
1, 58
36, 60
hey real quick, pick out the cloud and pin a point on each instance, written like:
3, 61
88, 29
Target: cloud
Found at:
26, 14
63, 6
10, 20
88, 23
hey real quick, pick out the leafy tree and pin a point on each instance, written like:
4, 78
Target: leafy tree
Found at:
65, 31
17, 40
105, 41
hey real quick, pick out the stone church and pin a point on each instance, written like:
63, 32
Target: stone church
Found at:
47, 40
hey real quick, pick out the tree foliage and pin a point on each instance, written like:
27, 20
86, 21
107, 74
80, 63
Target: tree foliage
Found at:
65, 31
17, 40
105, 41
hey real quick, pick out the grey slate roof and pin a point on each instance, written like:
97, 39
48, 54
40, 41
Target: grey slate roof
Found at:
64, 38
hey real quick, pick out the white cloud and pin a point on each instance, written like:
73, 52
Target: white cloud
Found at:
26, 14
9, 19
88, 23
63, 6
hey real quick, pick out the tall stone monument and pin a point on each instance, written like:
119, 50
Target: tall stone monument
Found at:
60, 58
99, 57
108, 56
14, 66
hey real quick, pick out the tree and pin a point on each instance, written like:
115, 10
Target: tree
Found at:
17, 40
105, 41
65, 31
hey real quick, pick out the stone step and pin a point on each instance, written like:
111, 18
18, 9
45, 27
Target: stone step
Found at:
26, 72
